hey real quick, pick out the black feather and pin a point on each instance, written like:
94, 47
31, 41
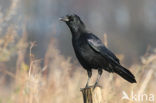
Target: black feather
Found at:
126, 74
91, 52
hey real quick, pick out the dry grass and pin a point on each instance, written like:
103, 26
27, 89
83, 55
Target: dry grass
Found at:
59, 81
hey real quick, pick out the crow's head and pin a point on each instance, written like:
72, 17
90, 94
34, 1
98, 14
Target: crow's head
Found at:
74, 22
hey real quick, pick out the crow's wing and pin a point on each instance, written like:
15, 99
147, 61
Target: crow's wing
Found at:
96, 44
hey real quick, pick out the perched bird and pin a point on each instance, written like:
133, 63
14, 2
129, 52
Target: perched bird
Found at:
92, 53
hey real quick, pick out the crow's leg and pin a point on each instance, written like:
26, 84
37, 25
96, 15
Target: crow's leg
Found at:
97, 80
89, 76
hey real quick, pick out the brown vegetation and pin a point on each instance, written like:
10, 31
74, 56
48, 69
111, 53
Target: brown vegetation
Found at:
59, 80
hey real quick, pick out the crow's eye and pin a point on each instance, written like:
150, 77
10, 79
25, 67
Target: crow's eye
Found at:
71, 19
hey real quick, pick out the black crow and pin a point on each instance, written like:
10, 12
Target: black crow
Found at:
92, 53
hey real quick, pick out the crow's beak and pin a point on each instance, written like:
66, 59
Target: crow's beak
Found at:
65, 19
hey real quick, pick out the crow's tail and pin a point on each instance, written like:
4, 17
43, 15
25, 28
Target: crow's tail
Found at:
126, 74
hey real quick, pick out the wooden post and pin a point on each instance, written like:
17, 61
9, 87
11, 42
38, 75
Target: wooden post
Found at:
92, 96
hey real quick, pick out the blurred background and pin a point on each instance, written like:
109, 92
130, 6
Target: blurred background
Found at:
130, 26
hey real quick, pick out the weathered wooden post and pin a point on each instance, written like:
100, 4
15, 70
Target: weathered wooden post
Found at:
92, 96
